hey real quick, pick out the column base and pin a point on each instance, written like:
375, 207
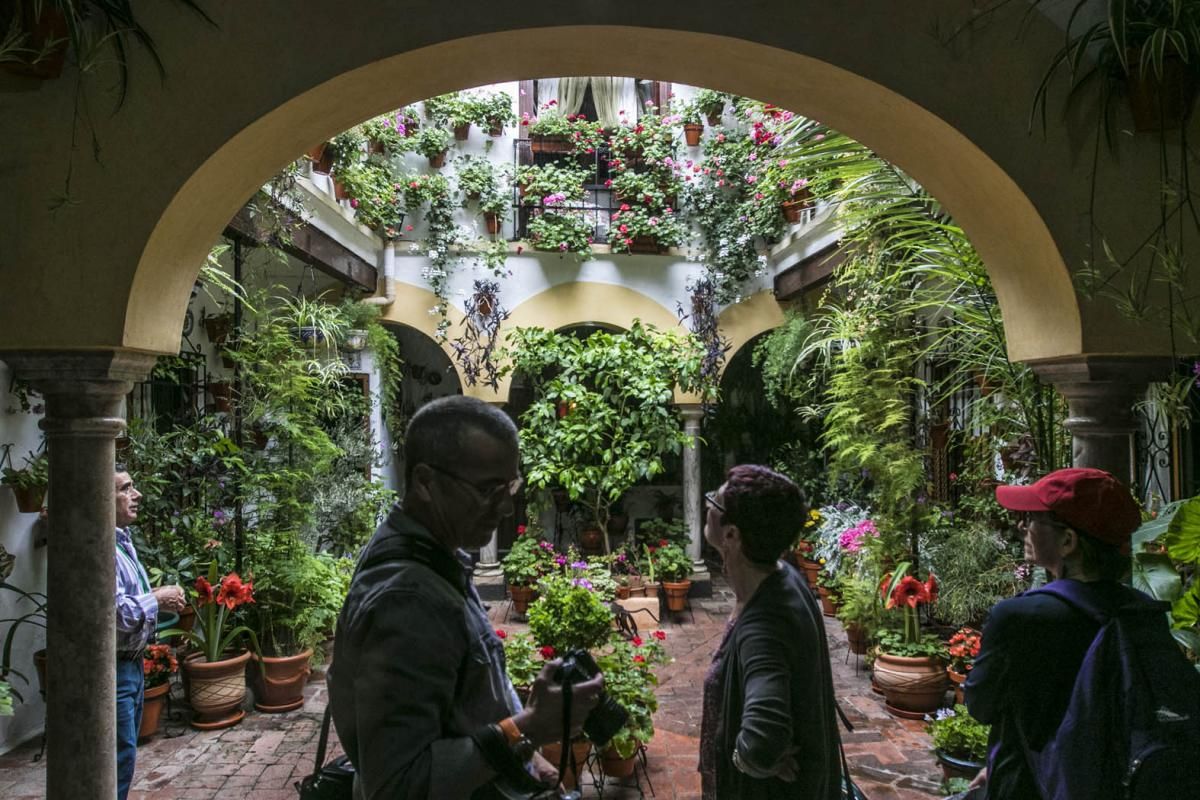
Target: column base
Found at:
490, 585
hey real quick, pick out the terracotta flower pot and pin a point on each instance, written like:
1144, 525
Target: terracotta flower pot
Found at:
714, 117
492, 221
677, 592
579, 749
216, 690
549, 144
958, 679
495, 128
438, 161
41, 28
623, 591
793, 210
340, 191
646, 244
29, 498
222, 394
616, 767
1160, 103
812, 570
591, 540
521, 596
912, 687
691, 133
321, 158
279, 685
827, 606
856, 637
152, 706
461, 132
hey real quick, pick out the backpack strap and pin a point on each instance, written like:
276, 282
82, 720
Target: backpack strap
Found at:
425, 552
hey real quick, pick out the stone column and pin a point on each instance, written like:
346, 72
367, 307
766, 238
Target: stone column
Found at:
692, 499
1101, 392
489, 577
85, 393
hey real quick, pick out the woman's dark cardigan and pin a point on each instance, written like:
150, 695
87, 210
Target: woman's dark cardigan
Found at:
778, 696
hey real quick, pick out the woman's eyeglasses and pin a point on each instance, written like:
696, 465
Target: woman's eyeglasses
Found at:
711, 499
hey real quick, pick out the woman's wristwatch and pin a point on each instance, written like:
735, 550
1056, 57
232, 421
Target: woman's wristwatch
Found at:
520, 744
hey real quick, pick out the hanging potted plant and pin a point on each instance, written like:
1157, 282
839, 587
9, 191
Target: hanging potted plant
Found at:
910, 666
159, 664
674, 569
960, 742
711, 104
29, 482
495, 209
497, 111
433, 142
692, 126
216, 673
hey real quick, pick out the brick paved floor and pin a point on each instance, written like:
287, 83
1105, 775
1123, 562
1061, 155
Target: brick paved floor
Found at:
262, 757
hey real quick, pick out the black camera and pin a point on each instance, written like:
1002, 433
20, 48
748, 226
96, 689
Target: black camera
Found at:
607, 717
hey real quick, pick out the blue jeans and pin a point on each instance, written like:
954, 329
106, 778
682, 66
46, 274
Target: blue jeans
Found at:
130, 695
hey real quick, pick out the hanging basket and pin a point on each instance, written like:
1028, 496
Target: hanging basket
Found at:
691, 134
48, 28
1160, 104
29, 498
462, 132
438, 161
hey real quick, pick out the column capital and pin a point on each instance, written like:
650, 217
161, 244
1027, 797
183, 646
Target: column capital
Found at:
81, 374
1133, 370
692, 413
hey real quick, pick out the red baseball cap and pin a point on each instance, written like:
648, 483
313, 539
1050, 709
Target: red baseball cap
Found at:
1090, 500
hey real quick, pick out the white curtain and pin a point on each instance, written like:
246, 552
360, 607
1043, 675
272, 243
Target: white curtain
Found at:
547, 90
570, 94
612, 96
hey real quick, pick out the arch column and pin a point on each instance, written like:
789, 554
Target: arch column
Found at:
692, 413
1101, 392
85, 395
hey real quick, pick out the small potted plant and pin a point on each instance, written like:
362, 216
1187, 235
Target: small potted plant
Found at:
692, 126
629, 679
522, 661
711, 104
963, 648
433, 142
674, 569
527, 561
496, 111
29, 482
159, 664
561, 232
859, 610
960, 742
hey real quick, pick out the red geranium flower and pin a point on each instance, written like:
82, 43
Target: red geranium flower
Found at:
501, 634
520, 530
637, 641
660, 635
547, 652
639, 659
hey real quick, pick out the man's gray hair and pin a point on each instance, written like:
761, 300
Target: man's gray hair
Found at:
437, 432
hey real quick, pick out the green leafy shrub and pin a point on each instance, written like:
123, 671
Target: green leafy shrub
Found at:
956, 733
568, 615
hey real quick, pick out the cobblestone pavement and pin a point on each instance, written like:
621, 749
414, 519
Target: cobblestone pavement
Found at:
262, 757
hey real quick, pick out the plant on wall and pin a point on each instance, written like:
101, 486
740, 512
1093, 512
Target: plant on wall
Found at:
561, 231
704, 325
442, 236
475, 349
375, 196
601, 419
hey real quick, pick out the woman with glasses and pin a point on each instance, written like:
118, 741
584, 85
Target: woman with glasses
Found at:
768, 728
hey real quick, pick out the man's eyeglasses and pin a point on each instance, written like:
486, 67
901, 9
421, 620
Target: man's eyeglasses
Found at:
487, 493
711, 499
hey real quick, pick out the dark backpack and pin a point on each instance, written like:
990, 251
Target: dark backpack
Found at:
1132, 726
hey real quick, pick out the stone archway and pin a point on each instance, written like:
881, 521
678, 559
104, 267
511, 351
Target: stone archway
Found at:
90, 288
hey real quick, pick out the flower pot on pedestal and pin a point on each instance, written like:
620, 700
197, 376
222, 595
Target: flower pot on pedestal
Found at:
856, 638
521, 596
579, 749
912, 686
677, 592
216, 690
616, 767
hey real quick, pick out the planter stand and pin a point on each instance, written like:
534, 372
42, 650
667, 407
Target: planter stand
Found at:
630, 781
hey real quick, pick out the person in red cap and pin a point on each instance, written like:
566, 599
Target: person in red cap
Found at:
1076, 523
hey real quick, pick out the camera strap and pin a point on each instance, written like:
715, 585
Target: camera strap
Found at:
568, 754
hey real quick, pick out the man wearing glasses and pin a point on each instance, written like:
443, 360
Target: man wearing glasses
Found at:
420, 698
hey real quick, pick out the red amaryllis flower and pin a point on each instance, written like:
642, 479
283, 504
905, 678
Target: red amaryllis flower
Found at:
547, 652
883, 587
931, 588
234, 592
909, 592
205, 591
660, 635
